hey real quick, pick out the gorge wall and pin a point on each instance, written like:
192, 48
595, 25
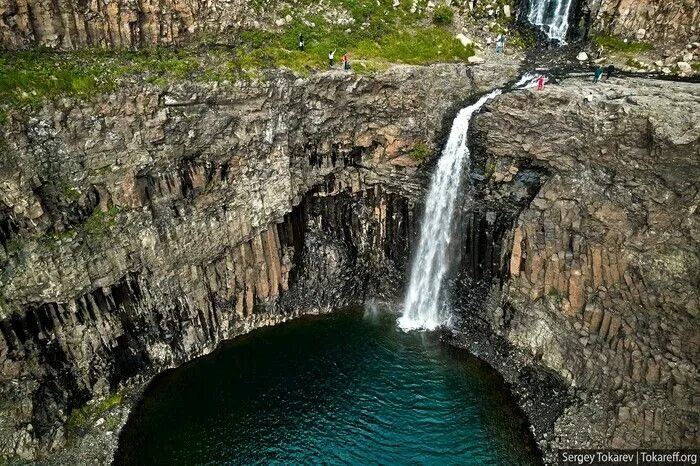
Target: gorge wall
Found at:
602, 279
141, 228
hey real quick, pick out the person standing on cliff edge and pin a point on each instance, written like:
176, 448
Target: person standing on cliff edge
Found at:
331, 59
598, 73
301, 43
609, 71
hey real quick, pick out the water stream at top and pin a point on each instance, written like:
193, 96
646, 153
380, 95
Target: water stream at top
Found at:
424, 304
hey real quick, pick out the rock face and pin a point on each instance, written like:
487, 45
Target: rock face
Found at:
142, 228
70, 24
649, 20
602, 278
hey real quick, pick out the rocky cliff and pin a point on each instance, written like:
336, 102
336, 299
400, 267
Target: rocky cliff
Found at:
141, 228
655, 21
70, 24
601, 282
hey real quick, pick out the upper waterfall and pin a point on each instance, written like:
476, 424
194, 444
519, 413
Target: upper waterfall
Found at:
551, 16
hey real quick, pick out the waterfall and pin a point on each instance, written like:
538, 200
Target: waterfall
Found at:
423, 306
551, 16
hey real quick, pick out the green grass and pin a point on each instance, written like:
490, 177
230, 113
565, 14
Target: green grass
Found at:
419, 152
99, 222
443, 15
377, 36
29, 77
615, 44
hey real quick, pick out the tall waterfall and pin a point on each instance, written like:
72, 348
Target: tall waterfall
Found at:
423, 305
551, 16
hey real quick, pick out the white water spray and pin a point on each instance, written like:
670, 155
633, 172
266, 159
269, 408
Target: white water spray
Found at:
551, 16
423, 306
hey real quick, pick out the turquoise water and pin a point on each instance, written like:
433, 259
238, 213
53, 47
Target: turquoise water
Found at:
340, 389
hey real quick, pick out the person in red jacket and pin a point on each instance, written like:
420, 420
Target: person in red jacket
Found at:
540, 83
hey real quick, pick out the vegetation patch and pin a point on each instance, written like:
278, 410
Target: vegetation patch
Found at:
29, 77
522, 39
443, 15
420, 152
616, 44
86, 416
374, 34
99, 222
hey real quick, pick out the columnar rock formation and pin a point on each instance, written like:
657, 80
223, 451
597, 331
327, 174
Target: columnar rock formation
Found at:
142, 228
603, 275
70, 24
655, 21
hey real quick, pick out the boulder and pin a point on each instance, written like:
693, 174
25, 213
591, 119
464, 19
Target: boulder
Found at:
465, 41
474, 60
684, 67
582, 56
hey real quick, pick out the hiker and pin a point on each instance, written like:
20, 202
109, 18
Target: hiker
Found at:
588, 98
346, 62
301, 42
331, 59
598, 73
609, 71
540, 82
499, 44
601, 50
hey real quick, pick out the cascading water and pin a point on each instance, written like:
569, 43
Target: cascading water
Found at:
424, 307
551, 16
